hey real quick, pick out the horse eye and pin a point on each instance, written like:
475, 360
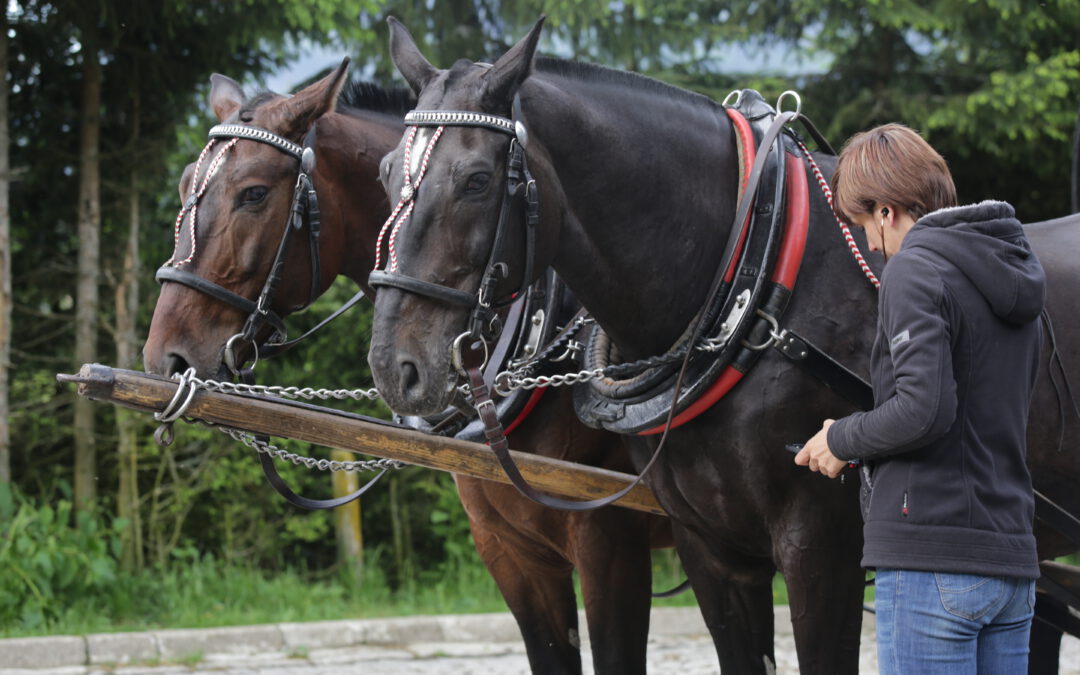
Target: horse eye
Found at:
254, 194
478, 182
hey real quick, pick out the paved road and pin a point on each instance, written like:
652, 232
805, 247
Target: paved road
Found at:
478, 645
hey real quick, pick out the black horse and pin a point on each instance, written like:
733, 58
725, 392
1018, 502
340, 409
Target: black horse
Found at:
637, 184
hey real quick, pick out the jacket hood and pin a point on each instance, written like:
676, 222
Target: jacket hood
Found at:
986, 242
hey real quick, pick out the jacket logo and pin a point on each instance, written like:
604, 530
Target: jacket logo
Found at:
899, 339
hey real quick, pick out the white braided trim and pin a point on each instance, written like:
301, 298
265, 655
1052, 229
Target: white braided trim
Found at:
256, 134
454, 118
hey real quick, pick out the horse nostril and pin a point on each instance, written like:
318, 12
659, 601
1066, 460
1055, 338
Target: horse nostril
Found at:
174, 363
410, 377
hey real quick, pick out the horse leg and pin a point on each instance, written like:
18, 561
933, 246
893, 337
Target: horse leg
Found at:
1045, 642
614, 564
540, 595
820, 563
734, 592
535, 579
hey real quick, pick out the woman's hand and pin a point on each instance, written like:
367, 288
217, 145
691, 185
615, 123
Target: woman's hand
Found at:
817, 456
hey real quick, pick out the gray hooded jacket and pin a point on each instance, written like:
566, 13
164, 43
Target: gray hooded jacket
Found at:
945, 487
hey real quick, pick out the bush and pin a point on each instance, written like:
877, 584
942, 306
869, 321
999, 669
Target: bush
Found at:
50, 556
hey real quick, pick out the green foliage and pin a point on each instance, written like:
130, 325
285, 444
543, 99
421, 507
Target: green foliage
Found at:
992, 83
47, 560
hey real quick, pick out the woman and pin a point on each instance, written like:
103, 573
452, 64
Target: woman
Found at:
946, 494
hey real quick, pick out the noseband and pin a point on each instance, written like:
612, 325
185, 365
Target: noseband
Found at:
520, 186
304, 209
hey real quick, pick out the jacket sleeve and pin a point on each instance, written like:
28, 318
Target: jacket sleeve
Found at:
914, 325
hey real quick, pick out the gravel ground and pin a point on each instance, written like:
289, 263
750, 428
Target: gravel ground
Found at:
679, 645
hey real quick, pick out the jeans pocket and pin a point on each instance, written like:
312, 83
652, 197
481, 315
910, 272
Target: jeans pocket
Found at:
968, 596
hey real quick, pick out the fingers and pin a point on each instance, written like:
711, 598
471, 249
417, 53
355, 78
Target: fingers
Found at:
802, 458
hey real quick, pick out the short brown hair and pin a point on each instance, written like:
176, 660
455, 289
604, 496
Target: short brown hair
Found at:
891, 164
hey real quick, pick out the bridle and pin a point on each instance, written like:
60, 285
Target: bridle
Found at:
520, 188
303, 210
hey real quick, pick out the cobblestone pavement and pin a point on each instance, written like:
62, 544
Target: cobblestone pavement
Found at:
680, 647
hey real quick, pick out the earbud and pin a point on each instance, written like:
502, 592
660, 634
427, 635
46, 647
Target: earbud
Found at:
885, 211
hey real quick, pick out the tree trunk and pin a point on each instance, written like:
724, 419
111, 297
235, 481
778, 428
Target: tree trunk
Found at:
127, 305
5, 262
350, 538
86, 301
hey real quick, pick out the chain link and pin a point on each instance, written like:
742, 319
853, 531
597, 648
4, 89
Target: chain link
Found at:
264, 448
287, 392
512, 380
188, 379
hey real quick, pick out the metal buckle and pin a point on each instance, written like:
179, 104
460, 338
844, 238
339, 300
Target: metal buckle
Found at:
775, 334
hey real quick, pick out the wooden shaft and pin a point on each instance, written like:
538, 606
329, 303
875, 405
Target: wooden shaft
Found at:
335, 429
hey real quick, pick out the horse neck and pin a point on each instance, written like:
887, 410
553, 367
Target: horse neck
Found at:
350, 147
650, 185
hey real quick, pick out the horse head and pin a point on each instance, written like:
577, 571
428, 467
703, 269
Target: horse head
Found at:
239, 197
470, 230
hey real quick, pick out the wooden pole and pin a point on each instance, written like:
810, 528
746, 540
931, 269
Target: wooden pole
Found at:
345, 431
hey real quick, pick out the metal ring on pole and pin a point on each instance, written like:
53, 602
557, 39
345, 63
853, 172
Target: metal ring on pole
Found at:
172, 411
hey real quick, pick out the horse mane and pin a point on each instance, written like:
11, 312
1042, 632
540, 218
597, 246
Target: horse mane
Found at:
358, 95
589, 72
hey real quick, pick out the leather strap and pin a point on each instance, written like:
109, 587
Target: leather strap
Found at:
829, 371
500, 445
278, 483
272, 349
406, 283
215, 291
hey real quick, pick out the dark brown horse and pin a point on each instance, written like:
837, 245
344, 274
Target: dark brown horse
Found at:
637, 184
529, 550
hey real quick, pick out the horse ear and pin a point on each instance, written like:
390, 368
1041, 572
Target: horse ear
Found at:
226, 96
512, 68
412, 65
315, 100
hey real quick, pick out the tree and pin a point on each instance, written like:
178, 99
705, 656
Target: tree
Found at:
993, 84
86, 302
5, 262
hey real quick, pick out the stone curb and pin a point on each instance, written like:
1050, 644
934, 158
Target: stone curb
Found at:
180, 644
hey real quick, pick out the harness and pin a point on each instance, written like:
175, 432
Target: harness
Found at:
755, 279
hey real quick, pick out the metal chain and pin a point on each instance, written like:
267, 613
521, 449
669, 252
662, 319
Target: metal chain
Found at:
262, 447
512, 380
286, 392
189, 383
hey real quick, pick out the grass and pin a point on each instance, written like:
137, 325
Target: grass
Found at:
209, 594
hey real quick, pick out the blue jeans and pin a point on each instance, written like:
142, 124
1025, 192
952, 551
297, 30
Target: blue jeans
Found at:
952, 624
